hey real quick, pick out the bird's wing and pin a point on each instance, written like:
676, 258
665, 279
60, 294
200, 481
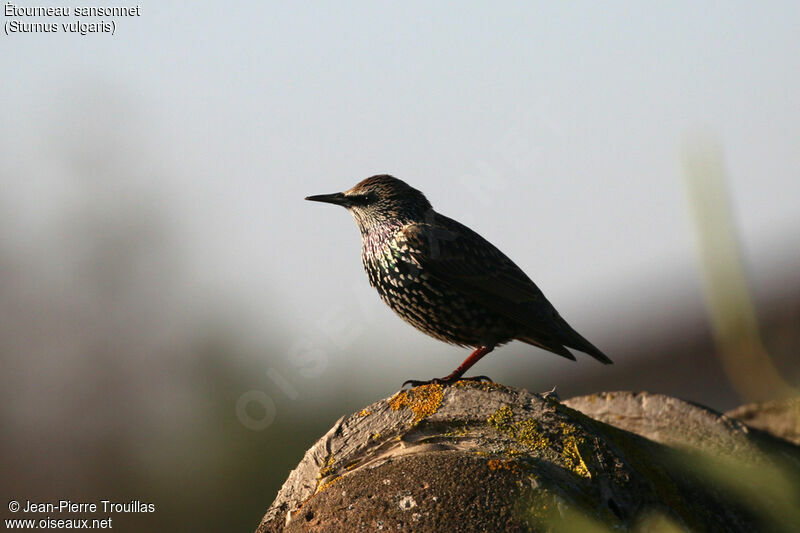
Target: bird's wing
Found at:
457, 256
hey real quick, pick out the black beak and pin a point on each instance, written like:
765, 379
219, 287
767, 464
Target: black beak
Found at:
335, 198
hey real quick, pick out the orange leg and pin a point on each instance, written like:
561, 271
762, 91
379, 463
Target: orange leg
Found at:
456, 374
473, 358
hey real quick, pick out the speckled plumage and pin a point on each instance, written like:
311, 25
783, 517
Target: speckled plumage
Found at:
445, 279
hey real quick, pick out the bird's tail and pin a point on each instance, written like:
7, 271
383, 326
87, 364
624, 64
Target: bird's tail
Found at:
575, 340
548, 344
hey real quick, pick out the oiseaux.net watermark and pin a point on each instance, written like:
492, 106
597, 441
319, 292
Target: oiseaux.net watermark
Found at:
86, 512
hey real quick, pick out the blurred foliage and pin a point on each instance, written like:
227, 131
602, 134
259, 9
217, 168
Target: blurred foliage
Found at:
733, 317
768, 490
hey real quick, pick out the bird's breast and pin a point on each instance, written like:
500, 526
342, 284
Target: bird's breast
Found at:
425, 301
386, 259
391, 269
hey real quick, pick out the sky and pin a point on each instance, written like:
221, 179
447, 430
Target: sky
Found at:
554, 129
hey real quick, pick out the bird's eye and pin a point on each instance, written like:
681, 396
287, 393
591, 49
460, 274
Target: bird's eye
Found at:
363, 199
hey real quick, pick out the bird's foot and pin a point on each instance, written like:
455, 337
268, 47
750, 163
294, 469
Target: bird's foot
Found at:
551, 394
475, 378
444, 381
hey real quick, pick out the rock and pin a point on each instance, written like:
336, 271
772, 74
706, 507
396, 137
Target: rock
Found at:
669, 421
780, 417
485, 457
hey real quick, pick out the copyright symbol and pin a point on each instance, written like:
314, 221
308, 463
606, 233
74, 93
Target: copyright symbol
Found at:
13, 506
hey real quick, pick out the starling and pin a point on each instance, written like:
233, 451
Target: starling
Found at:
448, 281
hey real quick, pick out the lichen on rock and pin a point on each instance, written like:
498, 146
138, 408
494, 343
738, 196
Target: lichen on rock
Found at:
423, 400
481, 456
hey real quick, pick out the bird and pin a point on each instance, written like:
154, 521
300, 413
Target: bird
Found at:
446, 280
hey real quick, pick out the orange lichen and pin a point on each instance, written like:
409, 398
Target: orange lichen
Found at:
364, 412
423, 401
327, 484
498, 464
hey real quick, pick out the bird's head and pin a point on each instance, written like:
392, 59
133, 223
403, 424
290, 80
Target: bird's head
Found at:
379, 200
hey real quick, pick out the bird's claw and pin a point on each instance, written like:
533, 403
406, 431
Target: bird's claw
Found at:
476, 378
443, 381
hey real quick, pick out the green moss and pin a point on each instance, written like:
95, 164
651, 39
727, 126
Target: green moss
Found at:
486, 386
456, 432
571, 451
327, 469
501, 419
526, 432
352, 464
